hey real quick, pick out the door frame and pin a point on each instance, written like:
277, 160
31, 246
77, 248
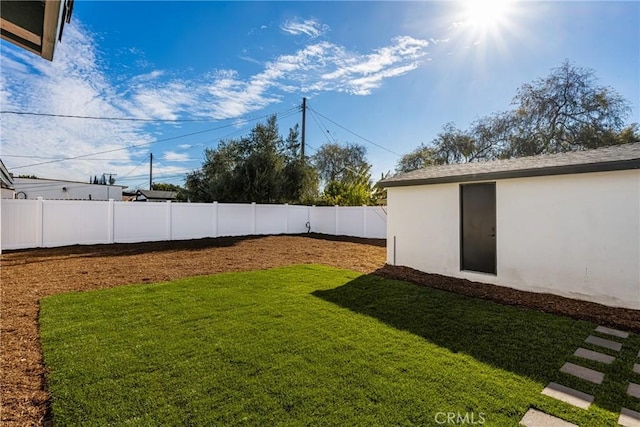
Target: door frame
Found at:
461, 220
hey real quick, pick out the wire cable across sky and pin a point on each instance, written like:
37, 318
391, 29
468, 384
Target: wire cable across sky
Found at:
355, 134
156, 141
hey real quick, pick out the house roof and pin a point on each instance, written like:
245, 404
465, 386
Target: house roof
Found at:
156, 194
6, 180
34, 25
619, 157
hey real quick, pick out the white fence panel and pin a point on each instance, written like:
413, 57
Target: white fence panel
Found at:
376, 222
323, 219
72, 222
38, 223
271, 219
351, 221
236, 219
193, 220
21, 224
298, 216
141, 222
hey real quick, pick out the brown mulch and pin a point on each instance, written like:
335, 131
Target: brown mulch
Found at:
29, 275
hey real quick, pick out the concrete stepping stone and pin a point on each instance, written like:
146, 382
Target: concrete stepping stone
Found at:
634, 390
535, 418
636, 368
594, 355
568, 395
629, 418
614, 332
582, 372
601, 342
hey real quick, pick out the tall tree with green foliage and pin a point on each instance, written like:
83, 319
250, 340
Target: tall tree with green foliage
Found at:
566, 111
336, 162
346, 175
261, 167
354, 189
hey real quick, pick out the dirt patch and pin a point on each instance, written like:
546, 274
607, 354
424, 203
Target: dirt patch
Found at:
29, 275
628, 320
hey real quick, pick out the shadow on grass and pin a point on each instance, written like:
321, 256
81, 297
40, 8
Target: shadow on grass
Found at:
523, 341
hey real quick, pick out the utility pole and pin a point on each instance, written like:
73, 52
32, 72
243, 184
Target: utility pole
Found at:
151, 172
304, 119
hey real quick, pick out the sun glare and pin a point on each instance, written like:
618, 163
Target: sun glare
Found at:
486, 14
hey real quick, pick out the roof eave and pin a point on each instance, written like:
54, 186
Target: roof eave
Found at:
521, 173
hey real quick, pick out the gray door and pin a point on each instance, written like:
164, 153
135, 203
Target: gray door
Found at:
478, 227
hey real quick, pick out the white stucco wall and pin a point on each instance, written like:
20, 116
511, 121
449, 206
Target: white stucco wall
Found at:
53, 190
571, 235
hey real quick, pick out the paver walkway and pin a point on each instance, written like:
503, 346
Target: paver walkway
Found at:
587, 374
534, 418
594, 355
603, 342
627, 418
568, 395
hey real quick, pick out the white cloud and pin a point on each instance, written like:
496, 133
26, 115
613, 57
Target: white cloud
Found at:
76, 83
153, 75
172, 156
309, 27
72, 84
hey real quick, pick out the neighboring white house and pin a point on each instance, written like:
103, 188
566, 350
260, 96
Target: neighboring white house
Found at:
566, 224
6, 183
52, 189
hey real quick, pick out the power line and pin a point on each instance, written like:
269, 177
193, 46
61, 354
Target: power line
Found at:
170, 173
325, 127
147, 143
353, 133
313, 116
136, 167
128, 119
61, 158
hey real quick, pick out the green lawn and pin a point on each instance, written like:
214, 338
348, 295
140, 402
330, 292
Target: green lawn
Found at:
308, 345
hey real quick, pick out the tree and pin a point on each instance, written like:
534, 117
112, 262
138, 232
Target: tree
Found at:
334, 161
261, 167
565, 111
346, 176
355, 189
417, 159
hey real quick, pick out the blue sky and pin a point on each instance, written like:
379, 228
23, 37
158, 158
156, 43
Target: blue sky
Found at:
391, 72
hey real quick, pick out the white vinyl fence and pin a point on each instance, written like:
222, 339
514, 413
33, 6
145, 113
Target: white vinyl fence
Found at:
49, 223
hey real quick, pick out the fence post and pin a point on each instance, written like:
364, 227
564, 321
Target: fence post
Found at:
215, 220
336, 221
39, 223
309, 209
286, 218
253, 218
110, 221
169, 220
364, 221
